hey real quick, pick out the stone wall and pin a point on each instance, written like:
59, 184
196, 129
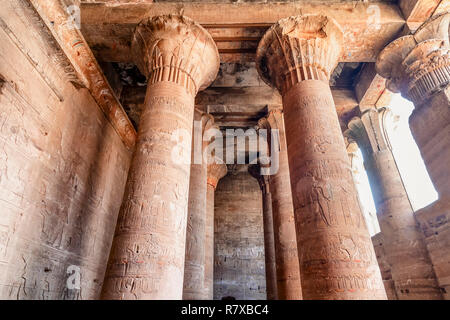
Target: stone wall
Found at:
434, 222
62, 174
385, 268
239, 265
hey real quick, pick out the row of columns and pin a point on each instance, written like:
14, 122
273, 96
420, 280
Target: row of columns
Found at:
403, 241
319, 234
335, 252
418, 66
147, 259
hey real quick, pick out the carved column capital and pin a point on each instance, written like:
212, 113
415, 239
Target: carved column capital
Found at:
176, 49
216, 171
418, 65
367, 131
275, 118
255, 172
299, 48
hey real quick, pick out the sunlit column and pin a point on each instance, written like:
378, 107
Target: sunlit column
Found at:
336, 255
418, 66
406, 252
179, 58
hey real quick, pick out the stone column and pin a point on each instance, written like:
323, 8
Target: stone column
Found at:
336, 255
418, 66
216, 171
288, 270
269, 245
371, 221
147, 258
406, 252
194, 265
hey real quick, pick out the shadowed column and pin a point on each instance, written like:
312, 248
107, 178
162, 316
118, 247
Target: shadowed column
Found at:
336, 255
418, 66
269, 245
194, 266
216, 171
288, 270
411, 268
147, 258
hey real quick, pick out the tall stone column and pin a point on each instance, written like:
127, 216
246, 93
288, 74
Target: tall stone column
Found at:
418, 66
216, 171
269, 245
147, 258
288, 270
194, 265
336, 256
406, 252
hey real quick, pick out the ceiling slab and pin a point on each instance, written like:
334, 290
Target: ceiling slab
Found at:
237, 27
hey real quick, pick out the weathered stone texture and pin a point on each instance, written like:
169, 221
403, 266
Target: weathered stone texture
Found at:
430, 126
418, 66
285, 239
385, 267
194, 267
404, 246
62, 174
269, 237
336, 255
435, 223
147, 258
239, 260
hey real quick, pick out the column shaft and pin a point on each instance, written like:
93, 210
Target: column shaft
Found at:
418, 66
147, 257
194, 272
269, 235
269, 248
209, 243
286, 253
337, 258
337, 261
411, 268
216, 171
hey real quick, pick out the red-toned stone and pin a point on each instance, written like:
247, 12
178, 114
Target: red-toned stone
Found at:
269, 237
194, 266
216, 171
288, 270
337, 259
147, 259
411, 268
418, 66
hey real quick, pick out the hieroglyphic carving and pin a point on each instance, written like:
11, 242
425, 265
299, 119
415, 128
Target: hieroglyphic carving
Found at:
331, 233
148, 256
56, 17
55, 50
286, 251
269, 236
194, 273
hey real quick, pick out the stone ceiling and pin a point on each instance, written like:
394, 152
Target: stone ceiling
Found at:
238, 97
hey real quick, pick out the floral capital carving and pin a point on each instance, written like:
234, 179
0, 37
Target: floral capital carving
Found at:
299, 48
174, 48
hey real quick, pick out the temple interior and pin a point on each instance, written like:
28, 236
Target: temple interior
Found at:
223, 149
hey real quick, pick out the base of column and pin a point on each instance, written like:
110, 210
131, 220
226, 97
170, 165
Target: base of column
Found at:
434, 221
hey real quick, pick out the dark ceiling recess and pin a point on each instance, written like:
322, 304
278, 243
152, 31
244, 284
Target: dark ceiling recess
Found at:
130, 85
